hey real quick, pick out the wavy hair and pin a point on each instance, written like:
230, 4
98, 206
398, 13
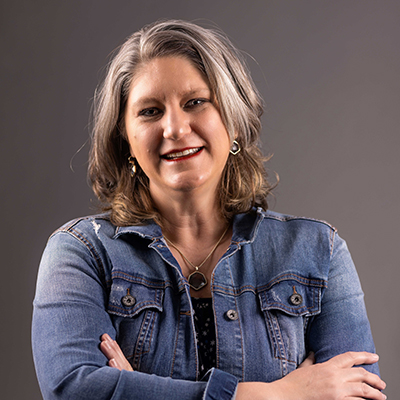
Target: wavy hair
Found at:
244, 182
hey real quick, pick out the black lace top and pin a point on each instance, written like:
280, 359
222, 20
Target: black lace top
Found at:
205, 334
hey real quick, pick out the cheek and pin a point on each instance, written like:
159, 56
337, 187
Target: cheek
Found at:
218, 126
144, 148
138, 139
214, 127
130, 136
221, 136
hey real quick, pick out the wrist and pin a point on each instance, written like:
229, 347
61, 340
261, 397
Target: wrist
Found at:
258, 391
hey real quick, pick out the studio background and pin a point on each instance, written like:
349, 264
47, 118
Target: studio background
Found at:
329, 74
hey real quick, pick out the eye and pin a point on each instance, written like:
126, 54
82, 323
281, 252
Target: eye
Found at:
149, 112
195, 102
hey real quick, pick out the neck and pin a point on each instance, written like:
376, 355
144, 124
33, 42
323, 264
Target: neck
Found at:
195, 230
191, 214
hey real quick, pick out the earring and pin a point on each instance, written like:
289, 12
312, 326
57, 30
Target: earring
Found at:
132, 165
235, 148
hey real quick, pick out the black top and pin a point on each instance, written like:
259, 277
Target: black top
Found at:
205, 333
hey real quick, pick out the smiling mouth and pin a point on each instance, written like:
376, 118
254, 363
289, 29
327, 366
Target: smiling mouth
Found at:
179, 155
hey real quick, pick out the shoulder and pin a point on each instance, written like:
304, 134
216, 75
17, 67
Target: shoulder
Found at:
292, 220
81, 235
286, 233
76, 246
286, 225
287, 245
259, 225
86, 226
99, 235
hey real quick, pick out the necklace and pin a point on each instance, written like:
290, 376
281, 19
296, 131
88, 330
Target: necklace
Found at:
197, 279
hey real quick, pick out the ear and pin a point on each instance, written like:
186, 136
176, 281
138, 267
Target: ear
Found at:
123, 134
126, 145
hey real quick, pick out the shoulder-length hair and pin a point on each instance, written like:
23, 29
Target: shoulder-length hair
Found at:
244, 181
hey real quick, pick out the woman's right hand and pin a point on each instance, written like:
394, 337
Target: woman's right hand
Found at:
335, 379
113, 352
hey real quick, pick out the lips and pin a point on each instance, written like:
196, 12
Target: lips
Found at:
181, 154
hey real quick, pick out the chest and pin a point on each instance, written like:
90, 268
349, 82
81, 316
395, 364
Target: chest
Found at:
260, 326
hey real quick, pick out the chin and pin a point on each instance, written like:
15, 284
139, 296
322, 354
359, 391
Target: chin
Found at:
186, 187
189, 185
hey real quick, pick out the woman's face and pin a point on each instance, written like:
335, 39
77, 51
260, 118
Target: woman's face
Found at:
174, 128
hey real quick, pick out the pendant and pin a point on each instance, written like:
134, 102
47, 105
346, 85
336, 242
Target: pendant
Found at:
197, 280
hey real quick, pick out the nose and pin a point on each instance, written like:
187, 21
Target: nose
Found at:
176, 124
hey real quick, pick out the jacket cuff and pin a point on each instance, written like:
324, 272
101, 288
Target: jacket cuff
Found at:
220, 385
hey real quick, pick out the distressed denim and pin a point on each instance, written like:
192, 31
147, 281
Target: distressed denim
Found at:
284, 287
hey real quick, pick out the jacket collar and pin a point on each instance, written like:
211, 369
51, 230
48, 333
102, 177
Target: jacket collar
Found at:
245, 227
149, 231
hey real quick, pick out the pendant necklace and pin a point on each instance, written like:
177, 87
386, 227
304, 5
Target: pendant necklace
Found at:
197, 279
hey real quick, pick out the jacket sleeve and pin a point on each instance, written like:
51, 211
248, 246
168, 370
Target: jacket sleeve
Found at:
68, 319
342, 324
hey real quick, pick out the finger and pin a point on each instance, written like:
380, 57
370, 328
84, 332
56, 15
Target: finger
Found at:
119, 364
310, 360
111, 349
107, 349
112, 363
116, 358
351, 358
364, 391
106, 337
362, 375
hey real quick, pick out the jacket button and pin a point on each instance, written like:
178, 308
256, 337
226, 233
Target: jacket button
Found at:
232, 315
128, 300
296, 299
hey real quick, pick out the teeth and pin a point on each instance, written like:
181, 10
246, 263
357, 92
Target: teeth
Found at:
182, 153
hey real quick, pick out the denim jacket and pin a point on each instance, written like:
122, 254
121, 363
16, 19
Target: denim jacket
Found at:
284, 287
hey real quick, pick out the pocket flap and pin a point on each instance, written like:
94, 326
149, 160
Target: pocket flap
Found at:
130, 295
292, 294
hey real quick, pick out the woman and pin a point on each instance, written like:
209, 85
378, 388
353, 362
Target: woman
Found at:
194, 289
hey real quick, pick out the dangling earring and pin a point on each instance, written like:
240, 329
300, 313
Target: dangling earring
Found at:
132, 165
235, 148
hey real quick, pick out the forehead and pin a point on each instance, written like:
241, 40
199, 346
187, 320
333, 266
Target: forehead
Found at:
167, 75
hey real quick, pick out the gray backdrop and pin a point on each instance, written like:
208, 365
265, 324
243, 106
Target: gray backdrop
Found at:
329, 74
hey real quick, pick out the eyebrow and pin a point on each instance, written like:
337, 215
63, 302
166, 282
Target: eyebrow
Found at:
142, 101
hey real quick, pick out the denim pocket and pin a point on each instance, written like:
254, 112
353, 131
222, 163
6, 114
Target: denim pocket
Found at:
135, 305
288, 302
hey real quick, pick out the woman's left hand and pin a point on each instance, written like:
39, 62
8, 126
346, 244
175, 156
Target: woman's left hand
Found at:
113, 352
